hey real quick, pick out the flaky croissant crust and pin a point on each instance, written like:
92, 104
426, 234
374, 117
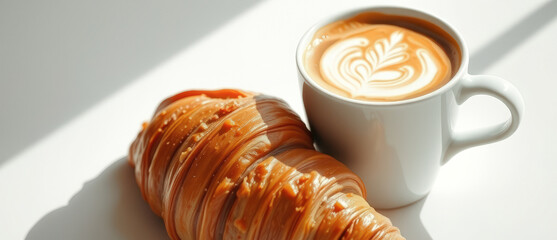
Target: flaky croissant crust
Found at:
232, 164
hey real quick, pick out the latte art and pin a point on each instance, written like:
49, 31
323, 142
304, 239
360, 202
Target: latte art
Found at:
376, 62
363, 69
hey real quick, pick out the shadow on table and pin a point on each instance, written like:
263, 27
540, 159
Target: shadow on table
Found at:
501, 45
408, 220
108, 207
58, 58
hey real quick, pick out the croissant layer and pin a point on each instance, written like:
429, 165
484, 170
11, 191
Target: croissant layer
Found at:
232, 164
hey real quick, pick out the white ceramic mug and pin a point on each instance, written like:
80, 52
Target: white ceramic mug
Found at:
398, 147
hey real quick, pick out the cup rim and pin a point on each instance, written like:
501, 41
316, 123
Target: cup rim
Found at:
394, 10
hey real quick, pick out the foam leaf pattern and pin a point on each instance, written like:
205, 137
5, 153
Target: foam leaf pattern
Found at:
360, 67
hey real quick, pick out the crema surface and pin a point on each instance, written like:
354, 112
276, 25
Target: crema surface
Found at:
376, 62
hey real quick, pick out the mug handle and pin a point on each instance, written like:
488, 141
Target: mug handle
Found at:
493, 86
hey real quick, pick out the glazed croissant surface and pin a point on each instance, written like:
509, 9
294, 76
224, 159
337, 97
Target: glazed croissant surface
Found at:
231, 164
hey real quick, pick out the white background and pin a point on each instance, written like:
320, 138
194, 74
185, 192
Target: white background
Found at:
77, 78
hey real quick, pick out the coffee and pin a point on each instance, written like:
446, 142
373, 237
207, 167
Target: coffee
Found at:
378, 57
380, 138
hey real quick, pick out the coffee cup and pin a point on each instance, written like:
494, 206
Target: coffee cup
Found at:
395, 140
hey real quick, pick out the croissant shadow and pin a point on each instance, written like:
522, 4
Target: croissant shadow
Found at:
109, 206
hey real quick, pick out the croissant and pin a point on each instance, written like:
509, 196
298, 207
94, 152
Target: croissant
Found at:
232, 164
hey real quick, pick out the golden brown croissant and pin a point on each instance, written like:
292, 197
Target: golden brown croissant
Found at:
231, 164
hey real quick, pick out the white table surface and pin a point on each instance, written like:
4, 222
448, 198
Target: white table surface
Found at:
78, 78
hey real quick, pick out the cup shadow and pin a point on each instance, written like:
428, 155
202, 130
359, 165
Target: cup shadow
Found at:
109, 206
408, 220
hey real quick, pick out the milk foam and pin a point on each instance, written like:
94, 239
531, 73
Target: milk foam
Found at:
363, 69
377, 62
